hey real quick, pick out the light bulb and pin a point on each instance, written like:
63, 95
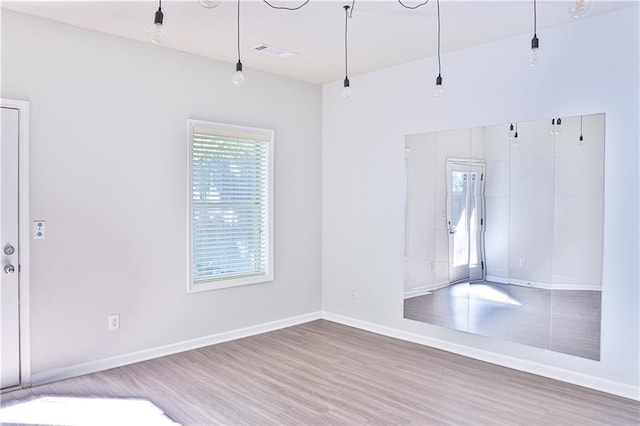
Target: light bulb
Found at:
535, 56
511, 132
346, 89
209, 4
558, 126
437, 91
237, 79
552, 128
579, 8
156, 33
514, 139
581, 141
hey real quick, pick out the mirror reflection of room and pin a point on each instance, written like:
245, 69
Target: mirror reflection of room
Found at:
503, 231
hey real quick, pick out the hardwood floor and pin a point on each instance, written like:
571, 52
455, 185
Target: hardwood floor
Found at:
325, 373
566, 321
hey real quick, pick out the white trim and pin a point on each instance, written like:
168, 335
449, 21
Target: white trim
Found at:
63, 373
604, 385
24, 238
425, 289
580, 379
554, 286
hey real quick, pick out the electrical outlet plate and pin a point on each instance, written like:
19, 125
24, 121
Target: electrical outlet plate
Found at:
114, 322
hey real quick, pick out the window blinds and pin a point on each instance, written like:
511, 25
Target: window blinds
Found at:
230, 205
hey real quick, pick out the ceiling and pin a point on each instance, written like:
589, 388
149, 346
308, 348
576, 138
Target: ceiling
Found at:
381, 33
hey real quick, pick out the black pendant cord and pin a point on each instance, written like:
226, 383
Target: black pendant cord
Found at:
581, 138
535, 19
285, 7
413, 7
238, 31
346, 56
439, 68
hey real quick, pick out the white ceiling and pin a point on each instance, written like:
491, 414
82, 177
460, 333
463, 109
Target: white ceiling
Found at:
381, 33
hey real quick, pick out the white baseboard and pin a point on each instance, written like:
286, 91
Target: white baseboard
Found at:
63, 373
604, 385
425, 289
580, 379
545, 286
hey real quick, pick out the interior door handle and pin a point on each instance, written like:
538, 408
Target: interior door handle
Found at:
9, 269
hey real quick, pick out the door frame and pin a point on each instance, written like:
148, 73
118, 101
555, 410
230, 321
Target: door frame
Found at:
24, 237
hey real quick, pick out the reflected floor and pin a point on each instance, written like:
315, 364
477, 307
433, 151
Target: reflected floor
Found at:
566, 321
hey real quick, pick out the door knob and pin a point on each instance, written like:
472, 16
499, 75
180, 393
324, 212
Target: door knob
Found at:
9, 250
9, 269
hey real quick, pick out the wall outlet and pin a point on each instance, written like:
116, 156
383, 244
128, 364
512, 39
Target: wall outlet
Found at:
354, 292
523, 263
114, 322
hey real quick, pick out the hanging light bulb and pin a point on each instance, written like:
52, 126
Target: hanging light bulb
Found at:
437, 91
579, 8
558, 126
238, 77
346, 90
209, 4
513, 134
535, 56
552, 129
156, 33
346, 87
580, 139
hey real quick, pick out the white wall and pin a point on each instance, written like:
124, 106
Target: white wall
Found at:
108, 174
590, 66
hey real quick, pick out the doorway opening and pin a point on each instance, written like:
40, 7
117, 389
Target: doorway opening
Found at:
465, 219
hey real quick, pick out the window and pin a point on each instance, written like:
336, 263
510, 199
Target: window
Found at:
230, 205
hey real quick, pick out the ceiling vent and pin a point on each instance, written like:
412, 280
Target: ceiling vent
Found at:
275, 51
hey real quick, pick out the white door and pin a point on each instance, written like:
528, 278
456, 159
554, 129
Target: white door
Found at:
465, 219
9, 276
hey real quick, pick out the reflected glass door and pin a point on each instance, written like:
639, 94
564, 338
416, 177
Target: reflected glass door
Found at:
465, 207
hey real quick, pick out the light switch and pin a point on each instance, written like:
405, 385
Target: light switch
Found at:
39, 230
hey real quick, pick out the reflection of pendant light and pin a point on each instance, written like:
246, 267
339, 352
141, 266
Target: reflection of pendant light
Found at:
437, 91
579, 8
513, 133
580, 139
156, 32
209, 4
238, 76
556, 126
346, 89
535, 57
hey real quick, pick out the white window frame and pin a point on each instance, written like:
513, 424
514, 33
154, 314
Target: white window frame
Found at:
266, 135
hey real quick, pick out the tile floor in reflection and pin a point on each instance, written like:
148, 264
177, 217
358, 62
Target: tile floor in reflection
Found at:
566, 321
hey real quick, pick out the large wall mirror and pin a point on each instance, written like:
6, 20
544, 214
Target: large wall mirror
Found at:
504, 229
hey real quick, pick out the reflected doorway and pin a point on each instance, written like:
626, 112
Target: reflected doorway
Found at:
465, 219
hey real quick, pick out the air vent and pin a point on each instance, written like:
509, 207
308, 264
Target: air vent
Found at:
275, 51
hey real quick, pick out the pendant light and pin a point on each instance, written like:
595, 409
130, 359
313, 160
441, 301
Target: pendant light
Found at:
437, 91
579, 8
535, 56
513, 133
156, 33
580, 139
238, 76
346, 88
556, 126
209, 4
